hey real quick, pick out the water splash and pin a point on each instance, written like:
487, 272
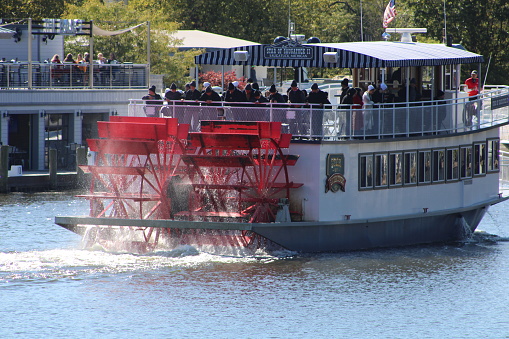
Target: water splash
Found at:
466, 230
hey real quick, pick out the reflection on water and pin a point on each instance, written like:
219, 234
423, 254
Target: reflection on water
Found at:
49, 287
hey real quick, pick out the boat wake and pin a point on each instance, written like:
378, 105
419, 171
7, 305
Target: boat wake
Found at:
78, 264
480, 236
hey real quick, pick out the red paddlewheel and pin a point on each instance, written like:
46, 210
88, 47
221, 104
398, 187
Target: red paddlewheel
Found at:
137, 160
238, 171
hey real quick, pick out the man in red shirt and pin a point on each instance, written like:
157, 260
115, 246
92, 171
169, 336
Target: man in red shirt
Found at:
472, 84
471, 108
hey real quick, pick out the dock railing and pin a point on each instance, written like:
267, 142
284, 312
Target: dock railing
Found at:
342, 122
72, 75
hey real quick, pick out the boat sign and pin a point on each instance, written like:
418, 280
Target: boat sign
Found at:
500, 101
288, 52
335, 171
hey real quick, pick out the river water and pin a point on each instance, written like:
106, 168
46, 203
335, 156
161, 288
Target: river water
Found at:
50, 288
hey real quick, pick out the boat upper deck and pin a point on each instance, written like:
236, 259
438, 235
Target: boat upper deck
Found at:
342, 122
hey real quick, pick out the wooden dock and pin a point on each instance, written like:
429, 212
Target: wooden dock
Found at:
52, 179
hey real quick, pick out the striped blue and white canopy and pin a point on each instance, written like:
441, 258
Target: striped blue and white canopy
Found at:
348, 55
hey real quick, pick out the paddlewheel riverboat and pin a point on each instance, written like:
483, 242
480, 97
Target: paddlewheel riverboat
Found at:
301, 178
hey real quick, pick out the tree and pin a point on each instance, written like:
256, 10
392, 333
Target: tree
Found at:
131, 46
480, 26
35, 9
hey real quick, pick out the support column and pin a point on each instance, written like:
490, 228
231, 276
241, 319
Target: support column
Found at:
4, 169
81, 159
53, 168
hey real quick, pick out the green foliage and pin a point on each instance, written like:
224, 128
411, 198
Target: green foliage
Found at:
35, 9
132, 46
481, 26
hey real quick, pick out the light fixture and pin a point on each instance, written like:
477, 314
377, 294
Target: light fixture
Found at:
330, 57
241, 55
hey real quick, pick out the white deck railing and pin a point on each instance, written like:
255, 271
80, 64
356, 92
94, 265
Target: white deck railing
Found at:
342, 122
71, 75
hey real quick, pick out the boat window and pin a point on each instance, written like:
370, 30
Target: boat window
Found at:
450, 77
479, 158
424, 167
395, 169
366, 171
493, 149
438, 170
410, 168
465, 162
452, 162
381, 170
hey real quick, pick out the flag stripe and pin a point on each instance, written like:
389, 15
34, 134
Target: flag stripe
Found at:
389, 14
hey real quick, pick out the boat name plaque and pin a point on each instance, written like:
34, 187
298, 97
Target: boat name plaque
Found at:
499, 102
335, 170
288, 52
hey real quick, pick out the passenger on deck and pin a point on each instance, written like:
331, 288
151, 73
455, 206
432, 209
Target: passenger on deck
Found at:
153, 101
248, 93
344, 89
415, 94
210, 96
172, 94
295, 95
56, 71
204, 87
382, 95
233, 94
317, 96
193, 93
368, 103
152, 95
275, 96
69, 58
56, 59
472, 84
259, 98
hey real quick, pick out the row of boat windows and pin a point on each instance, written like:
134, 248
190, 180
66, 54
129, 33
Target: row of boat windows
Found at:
428, 166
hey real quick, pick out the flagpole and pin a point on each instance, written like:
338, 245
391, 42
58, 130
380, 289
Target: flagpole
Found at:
445, 24
362, 29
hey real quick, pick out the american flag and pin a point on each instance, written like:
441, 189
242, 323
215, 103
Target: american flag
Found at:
390, 13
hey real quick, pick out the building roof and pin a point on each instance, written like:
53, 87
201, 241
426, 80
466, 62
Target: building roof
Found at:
6, 33
347, 55
201, 39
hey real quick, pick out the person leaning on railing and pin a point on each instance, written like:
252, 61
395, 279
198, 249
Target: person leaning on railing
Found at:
153, 102
275, 96
210, 96
317, 96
